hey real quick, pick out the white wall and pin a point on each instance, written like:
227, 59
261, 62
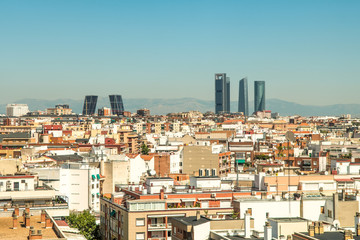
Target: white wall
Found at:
202, 231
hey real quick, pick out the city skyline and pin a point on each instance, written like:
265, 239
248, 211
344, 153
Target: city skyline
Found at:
98, 47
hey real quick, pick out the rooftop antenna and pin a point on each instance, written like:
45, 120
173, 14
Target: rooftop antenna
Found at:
290, 137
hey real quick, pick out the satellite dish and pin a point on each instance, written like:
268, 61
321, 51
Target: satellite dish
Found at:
290, 136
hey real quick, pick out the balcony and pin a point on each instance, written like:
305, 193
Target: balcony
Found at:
159, 226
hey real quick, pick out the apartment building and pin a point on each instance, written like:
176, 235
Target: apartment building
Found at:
144, 212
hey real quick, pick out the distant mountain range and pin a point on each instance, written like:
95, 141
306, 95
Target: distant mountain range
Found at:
164, 106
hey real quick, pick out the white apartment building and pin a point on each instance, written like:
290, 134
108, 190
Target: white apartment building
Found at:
78, 183
16, 110
139, 166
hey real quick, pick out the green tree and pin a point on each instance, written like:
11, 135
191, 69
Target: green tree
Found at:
85, 222
144, 149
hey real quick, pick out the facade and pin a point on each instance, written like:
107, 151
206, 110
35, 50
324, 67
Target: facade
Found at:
143, 112
104, 111
16, 110
144, 212
222, 93
90, 105
243, 97
117, 106
259, 96
60, 109
78, 183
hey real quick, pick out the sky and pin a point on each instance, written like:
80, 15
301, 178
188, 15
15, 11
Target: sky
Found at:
307, 51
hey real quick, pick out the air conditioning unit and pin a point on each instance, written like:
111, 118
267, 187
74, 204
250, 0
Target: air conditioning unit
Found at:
213, 195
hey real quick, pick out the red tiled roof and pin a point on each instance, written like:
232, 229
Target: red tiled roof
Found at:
61, 223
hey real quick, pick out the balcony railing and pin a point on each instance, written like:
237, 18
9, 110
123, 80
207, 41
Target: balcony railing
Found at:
159, 226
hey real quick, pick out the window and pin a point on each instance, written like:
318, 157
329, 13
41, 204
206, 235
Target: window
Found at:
140, 236
200, 172
329, 214
22, 181
250, 211
314, 163
322, 209
213, 172
140, 222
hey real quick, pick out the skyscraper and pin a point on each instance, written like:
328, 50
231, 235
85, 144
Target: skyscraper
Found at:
90, 105
227, 94
222, 93
117, 106
259, 89
243, 97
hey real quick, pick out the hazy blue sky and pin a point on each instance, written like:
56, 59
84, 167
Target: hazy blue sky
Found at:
306, 51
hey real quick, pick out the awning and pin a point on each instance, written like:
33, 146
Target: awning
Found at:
98, 176
93, 177
166, 215
205, 199
223, 198
173, 200
188, 199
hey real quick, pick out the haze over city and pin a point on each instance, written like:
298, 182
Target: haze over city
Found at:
306, 51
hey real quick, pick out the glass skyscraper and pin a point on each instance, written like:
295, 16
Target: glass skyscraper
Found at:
222, 93
116, 103
259, 89
90, 105
243, 97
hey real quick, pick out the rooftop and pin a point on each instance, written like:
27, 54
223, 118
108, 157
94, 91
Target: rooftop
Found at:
287, 220
331, 236
7, 233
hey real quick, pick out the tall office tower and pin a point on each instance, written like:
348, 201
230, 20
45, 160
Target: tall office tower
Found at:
227, 94
243, 97
222, 93
259, 87
117, 106
90, 105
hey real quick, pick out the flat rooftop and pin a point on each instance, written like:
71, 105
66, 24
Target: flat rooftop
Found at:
331, 236
287, 220
8, 233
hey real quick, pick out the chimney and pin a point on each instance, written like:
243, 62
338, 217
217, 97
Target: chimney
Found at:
247, 225
348, 235
27, 220
24, 213
48, 222
316, 229
162, 193
27, 208
321, 228
311, 230
35, 234
357, 221
197, 215
43, 215
267, 231
17, 210
15, 221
